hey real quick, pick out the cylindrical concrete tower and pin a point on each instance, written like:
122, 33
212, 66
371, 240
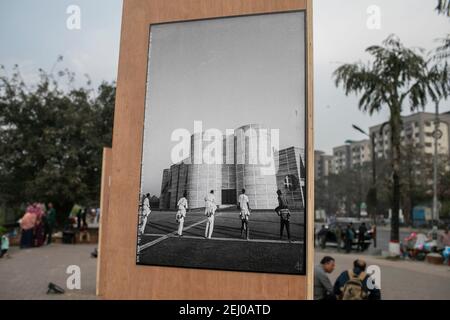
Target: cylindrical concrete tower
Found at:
253, 155
202, 177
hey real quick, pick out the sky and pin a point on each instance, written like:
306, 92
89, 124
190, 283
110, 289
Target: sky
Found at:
33, 34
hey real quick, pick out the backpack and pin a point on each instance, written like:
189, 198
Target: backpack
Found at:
354, 289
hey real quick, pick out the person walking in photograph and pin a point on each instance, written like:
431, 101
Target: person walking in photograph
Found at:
244, 213
181, 213
283, 212
210, 210
145, 212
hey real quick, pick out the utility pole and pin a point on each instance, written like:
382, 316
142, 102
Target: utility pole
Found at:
374, 185
373, 190
437, 134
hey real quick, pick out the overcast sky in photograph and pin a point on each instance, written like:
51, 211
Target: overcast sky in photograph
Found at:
226, 73
33, 34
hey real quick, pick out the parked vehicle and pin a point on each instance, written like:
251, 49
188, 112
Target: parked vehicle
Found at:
334, 234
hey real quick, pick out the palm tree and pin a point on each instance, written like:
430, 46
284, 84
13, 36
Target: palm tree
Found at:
443, 7
443, 51
396, 76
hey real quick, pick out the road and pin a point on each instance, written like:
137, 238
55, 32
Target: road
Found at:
383, 236
27, 273
400, 280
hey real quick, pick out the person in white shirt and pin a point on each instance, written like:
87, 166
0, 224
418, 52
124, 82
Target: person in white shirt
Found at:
181, 214
145, 212
210, 210
244, 214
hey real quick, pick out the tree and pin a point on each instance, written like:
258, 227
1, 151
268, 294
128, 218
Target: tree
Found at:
345, 189
442, 52
443, 7
416, 173
51, 140
396, 75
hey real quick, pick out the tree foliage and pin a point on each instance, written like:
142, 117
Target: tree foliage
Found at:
443, 7
396, 76
51, 139
344, 192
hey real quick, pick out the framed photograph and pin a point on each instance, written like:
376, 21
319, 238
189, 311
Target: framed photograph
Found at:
223, 181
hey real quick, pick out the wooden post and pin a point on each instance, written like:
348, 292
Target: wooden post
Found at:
118, 275
103, 223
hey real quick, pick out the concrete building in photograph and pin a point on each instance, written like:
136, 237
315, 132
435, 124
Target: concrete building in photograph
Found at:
242, 168
418, 131
291, 175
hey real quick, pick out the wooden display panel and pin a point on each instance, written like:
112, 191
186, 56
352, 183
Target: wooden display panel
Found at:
118, 275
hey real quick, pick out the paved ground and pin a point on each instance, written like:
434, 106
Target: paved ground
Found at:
27, 273
263, 252
383, 237
400, 280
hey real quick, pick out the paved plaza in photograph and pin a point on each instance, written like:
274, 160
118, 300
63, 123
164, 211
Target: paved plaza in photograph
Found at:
227, 249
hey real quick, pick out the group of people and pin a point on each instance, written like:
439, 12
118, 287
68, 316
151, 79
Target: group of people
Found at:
210, 210
346, 236
244, 214
417, 245
352, 284
37, 225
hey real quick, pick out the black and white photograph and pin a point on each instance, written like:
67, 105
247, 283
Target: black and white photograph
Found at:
223, 172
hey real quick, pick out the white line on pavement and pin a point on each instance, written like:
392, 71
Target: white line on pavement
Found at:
174, 235
166, 236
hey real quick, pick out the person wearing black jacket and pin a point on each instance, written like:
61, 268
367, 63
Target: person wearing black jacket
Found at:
361, 236
283, 212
